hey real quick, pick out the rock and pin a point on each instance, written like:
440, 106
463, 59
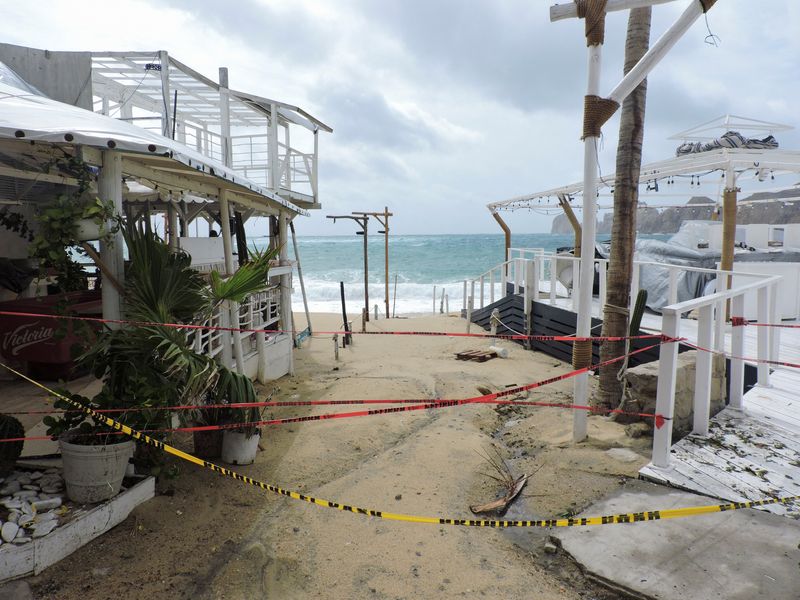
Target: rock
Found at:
13, 516
11, 504
25, 494
31, 487
53, 470
25, 520
10, 488
550, 548
9, 531
18, 590
46, 516
52, 489
637, 430
26, 508
21, 540
47, 504
623, 455
42, 529
35, 475
24, 480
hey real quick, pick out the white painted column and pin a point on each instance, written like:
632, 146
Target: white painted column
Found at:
109, 187
314, 164
774, 317
224, 119
272, 149
703, 370
763, 295
166, 116
287, 165
231, 309
287, 323
172, 218
665, 394
586, 279
737, 350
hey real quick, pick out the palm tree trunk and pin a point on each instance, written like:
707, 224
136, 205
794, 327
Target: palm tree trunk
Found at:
626, 196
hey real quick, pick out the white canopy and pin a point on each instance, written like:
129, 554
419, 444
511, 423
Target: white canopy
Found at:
25, 115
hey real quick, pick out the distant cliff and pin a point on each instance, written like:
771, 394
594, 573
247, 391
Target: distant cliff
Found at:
668, 220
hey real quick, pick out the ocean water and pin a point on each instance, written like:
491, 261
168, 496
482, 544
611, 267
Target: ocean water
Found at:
419, 262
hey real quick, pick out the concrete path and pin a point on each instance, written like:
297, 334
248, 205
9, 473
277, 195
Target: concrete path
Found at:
736, 555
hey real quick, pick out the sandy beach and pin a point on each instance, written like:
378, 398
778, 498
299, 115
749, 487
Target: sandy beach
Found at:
208, 537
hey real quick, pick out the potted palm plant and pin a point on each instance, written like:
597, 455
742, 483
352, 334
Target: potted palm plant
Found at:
148, 367
239, 444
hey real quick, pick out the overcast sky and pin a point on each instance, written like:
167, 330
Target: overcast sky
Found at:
440, 106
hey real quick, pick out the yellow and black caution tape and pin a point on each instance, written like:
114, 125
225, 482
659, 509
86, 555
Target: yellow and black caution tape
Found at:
653, 515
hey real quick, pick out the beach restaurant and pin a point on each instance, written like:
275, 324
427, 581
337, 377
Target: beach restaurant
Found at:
169, 147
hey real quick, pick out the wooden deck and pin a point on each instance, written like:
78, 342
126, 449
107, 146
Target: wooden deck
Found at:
748, 455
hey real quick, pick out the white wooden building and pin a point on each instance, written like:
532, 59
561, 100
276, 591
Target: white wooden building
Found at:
168, 143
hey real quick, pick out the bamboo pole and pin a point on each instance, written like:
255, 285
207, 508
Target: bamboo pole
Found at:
573, 220
300, 275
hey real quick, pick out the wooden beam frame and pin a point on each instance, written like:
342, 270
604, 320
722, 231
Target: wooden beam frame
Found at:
559, 12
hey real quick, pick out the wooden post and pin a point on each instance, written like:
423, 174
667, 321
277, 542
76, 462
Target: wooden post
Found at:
383, 219
366, 270
394, 301
507, 236
573, 220
434, 299
729, 197
346, 339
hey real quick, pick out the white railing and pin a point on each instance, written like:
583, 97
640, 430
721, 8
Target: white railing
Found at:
526, 275
712, 312
250, 156
258, 311
547, 267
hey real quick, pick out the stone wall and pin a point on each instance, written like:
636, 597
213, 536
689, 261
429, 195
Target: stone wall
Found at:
642, 385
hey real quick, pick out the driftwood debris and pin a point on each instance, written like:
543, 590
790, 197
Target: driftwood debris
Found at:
476, 355
513, 486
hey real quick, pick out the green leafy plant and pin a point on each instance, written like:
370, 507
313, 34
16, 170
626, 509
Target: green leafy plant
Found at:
55, 242
149, 366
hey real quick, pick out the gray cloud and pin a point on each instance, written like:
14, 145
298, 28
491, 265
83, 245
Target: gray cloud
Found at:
363, 116
291, 33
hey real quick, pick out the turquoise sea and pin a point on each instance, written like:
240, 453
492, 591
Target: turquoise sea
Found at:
418, 261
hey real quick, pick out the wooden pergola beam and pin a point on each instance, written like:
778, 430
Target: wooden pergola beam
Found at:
559, 12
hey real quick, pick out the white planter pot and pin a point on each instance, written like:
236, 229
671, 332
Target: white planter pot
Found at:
94, 473
238, 449
87, 229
